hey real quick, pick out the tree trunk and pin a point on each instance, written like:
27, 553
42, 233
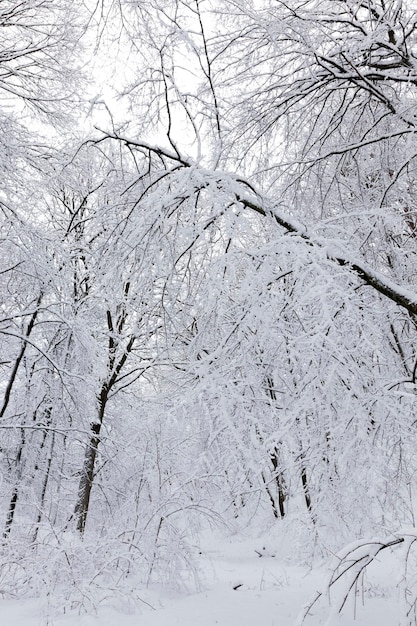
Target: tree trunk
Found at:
114, 368
306, 490
15, 494
279, 479
87, 477
274, 455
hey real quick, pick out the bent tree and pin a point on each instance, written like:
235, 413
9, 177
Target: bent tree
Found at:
302, 116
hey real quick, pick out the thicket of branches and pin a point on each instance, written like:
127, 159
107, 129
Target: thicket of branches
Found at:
208, 280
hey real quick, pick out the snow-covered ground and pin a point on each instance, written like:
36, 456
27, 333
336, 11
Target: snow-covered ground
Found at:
243, 583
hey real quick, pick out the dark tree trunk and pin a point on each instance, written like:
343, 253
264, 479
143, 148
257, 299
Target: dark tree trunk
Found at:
15, 494
274, 455
279, 479
11, 512
87, 477
306, 490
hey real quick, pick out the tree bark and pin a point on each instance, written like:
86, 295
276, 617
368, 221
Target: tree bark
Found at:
87, 475
15, 494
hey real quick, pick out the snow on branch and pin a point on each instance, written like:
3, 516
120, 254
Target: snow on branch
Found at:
348, 568
381, 283
378, 281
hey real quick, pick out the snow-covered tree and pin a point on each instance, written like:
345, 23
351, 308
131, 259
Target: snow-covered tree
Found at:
212, 297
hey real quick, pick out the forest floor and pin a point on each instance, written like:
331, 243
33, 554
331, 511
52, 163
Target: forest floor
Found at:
243, 583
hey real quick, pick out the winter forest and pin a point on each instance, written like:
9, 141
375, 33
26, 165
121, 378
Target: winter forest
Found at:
208, 292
